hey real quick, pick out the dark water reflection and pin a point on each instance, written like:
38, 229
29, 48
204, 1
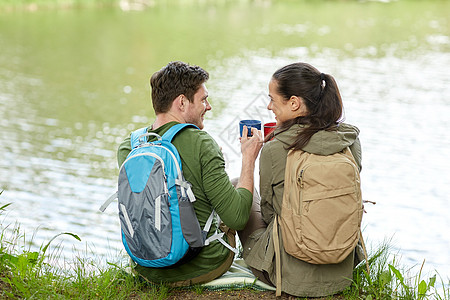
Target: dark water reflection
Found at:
74, 83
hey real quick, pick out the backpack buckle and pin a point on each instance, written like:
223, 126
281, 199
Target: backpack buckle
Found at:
142, 139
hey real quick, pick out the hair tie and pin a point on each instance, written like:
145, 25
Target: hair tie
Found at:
322, 85
322, 77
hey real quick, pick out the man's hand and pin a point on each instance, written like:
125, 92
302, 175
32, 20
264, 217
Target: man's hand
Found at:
250, 147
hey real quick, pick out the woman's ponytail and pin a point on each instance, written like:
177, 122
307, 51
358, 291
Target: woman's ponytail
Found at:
320, 94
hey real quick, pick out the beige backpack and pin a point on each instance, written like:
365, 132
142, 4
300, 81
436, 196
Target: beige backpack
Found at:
322, 206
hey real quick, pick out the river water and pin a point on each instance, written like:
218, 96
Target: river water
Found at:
74, 83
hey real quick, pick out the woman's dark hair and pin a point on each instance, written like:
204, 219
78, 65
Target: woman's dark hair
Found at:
320, 94
173, 80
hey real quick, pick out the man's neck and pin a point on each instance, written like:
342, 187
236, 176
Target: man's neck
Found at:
164, 118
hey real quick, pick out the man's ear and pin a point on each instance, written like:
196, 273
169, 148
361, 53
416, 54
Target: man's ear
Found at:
180, 102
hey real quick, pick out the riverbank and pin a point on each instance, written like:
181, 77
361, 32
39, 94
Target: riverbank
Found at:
74, 83
126, 5
42, 273
24, 5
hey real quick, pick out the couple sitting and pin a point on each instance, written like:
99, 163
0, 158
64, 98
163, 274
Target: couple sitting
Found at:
308, 110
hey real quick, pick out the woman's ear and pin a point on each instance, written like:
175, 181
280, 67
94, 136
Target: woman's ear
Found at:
298, 106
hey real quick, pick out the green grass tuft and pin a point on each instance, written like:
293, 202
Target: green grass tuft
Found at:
389, 280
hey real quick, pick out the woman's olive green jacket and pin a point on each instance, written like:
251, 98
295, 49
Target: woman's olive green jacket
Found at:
298, 277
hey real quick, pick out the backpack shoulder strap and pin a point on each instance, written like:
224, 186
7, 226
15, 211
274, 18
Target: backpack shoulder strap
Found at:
168, 136
134, 139
276, 244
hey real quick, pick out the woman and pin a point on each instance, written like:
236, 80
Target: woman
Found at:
308, 110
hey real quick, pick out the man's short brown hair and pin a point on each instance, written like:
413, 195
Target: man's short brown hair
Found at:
173, 80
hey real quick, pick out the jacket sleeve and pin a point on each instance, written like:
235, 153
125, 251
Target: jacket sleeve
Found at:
232, 205
266, 183
356, 151
123, 151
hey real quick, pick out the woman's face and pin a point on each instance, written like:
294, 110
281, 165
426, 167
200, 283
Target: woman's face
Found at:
284, 109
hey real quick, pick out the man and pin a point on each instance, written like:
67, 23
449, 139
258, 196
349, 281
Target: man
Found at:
179, 95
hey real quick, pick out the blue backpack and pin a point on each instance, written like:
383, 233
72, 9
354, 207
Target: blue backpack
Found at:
158, 222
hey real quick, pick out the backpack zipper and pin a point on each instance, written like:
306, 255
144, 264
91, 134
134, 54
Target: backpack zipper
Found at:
143, 154
300, 179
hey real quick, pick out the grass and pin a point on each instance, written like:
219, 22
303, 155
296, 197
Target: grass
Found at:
27, 274
389, 280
